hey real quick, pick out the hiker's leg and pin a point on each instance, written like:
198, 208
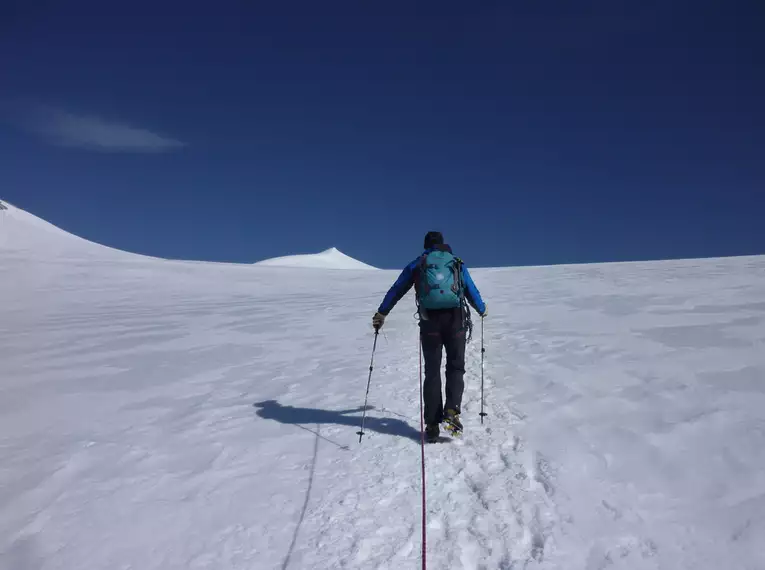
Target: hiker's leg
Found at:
432, 346
454, 339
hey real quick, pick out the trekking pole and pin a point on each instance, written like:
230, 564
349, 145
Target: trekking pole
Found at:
371, 367
483, 351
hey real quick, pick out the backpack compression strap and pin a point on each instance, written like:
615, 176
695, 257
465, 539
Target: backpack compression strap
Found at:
457, 285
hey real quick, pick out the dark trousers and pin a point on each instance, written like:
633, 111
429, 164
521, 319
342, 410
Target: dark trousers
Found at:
443, 329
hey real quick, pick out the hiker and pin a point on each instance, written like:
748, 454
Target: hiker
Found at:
442, 285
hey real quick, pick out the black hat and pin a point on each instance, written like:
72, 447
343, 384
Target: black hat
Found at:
433, 239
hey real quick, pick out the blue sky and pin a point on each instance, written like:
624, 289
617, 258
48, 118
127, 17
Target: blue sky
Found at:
533, 132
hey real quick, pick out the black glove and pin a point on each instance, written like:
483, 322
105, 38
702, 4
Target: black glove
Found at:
378, 320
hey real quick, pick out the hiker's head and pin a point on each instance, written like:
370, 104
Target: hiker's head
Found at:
433, 239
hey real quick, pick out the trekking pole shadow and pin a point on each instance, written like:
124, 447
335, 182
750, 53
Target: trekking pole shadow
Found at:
319, 436
389, 411
273, 410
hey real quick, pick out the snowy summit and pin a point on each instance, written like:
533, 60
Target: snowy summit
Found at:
331, 258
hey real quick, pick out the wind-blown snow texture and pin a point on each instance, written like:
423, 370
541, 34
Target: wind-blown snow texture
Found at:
163, 415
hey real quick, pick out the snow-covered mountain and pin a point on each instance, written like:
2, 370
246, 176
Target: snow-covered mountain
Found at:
165, 415
328, 259
25, 235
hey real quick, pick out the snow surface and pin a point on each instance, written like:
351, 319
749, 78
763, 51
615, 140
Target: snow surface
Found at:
161, 415
331, 258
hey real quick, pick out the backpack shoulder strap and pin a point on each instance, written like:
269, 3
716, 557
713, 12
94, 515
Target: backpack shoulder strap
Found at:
418, 271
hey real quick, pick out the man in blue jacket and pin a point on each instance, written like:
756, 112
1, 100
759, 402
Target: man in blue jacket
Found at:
442, 286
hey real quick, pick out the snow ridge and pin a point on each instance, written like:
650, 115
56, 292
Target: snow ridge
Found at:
24, 234
30, 236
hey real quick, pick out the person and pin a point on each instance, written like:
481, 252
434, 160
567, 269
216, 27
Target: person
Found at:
442, 284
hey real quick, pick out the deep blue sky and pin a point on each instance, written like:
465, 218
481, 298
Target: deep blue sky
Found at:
529, 132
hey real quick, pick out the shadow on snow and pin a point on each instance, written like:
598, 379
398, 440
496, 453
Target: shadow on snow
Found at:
273, 410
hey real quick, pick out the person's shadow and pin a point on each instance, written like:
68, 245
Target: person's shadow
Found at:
273, 410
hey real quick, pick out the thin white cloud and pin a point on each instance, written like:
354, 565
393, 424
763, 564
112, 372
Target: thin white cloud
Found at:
93, 133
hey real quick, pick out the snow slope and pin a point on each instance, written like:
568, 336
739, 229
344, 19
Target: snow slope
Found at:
331, 258
24, 235
162, 415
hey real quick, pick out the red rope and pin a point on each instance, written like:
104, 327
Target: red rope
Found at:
422, 446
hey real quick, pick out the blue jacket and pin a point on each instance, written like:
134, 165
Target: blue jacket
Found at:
407, 278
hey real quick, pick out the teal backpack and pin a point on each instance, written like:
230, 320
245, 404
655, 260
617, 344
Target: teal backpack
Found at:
440, 281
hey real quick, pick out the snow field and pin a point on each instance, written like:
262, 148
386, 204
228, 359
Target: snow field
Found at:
170, 415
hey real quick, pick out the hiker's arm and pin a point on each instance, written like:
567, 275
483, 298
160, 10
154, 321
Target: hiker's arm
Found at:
471, 292
399, 289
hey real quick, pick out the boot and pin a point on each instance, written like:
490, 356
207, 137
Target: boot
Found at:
432, 432
452, 421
